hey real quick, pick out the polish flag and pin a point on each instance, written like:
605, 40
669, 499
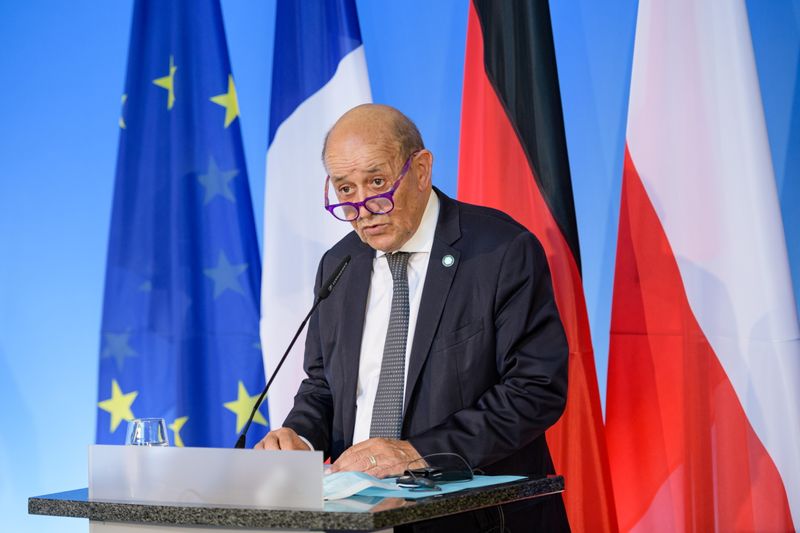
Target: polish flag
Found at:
703, 412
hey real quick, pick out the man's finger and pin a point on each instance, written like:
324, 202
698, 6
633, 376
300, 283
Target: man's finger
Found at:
378, 457
362, 459
387, 471
289, 441
371, 460
271, 442
346, 461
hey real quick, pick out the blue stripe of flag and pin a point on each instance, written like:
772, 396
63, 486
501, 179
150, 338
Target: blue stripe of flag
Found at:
316, 35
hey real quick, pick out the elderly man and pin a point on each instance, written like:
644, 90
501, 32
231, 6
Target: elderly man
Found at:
442, 335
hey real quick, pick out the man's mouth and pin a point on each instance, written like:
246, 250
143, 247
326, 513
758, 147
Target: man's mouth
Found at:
373, 229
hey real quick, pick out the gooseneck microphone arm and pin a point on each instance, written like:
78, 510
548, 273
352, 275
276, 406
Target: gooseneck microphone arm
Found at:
323, 293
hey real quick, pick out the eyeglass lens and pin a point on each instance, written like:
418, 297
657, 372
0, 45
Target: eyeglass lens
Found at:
377, 206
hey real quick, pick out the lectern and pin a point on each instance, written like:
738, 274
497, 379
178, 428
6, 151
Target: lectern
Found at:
135, 491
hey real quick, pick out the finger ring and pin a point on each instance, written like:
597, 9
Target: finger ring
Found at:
372, 460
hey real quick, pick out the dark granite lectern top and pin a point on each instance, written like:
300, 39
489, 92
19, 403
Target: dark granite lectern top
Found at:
356, 513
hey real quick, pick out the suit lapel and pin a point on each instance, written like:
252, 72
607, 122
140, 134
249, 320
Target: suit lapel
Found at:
357, 291
439, 278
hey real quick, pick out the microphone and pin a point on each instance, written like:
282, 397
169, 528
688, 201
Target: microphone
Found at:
323, 293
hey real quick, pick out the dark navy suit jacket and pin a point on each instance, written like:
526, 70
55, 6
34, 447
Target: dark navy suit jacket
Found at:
488, 365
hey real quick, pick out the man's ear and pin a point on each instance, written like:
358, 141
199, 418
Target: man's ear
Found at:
423, 165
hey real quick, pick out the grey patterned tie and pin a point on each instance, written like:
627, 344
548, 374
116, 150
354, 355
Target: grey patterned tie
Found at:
387, 412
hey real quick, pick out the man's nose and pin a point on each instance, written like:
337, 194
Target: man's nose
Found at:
363, 212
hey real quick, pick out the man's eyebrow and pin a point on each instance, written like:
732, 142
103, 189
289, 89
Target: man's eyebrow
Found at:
375, 169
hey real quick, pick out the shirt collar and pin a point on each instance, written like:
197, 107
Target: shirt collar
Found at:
422, 240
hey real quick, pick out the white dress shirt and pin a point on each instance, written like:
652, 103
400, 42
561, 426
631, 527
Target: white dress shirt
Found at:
379, 305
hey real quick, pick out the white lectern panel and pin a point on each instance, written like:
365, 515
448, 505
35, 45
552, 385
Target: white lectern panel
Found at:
244, 478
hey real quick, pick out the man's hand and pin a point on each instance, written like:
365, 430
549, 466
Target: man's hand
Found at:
377, 457
282, 439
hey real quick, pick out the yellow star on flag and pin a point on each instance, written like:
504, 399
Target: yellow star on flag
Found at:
229, 102
119, 405
168, 83
243, 406
176, 428
122, 117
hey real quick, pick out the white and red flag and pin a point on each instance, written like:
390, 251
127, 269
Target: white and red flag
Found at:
703, 410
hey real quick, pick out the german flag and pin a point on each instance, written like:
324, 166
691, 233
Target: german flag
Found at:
513, 157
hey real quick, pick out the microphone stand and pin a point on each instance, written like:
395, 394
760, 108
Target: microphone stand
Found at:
324, 292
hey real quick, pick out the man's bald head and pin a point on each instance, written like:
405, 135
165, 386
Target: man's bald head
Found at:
379, 123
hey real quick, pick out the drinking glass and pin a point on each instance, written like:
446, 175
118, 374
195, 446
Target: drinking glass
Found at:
147, 432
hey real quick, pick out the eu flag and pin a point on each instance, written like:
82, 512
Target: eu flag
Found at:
180, 317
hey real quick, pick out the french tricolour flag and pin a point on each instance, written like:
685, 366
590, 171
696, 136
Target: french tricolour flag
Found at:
319, 72
703, 412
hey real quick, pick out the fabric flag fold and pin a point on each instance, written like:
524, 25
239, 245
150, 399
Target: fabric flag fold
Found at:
514, 158
180, 316
703, 412
319, 72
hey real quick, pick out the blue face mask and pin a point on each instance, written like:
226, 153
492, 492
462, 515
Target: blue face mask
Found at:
344, 484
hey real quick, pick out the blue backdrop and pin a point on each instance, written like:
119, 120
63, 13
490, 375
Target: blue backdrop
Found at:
63, 72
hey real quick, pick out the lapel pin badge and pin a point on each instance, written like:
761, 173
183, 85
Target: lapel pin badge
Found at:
448, 260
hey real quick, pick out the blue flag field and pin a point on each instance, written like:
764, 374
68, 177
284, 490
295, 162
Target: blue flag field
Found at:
179, 334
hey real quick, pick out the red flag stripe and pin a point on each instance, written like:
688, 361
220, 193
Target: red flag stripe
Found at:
675, 424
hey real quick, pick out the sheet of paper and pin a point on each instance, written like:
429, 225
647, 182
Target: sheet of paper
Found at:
444, 488
345, 484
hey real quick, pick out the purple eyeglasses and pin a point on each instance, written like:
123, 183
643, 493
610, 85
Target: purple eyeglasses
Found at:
380, 204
